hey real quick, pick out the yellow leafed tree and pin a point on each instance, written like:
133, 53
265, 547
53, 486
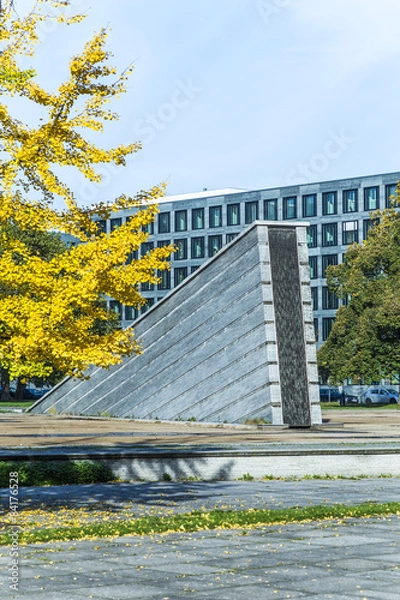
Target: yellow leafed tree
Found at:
49, 307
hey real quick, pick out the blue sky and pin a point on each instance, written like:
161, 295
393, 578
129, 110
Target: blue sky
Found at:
244, 93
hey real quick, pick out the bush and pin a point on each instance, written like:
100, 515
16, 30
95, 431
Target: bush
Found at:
55, 472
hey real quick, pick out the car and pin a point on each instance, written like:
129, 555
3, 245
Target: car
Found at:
328, 393
379, 395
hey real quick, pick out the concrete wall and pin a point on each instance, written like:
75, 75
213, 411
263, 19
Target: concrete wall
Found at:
210, 347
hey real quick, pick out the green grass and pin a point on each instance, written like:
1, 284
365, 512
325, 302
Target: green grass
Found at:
201, 521
20, 404
55, 472
336, 405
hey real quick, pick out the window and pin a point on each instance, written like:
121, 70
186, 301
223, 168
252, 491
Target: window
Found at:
149, 228
314, 298
327, 261
101, 226
310, 205
146, 247
230, 237
162, 243
131, 313
115, 223
327, 323
181, 252
313, 262
271, 210
180, 273
164, 222
149, 304
116, 308
329, 234
215, 216
367, 225
329, 299
250, 212
233, 214
197, 247
194, 268
329, 203
181, 220
312, 236
198, 218
316, 329
390, 192
371, 198
350, 201
350, 232
214, 244
131, 257
165, 280
290, 208
147, 286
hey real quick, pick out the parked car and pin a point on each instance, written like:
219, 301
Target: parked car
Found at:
379, 395
329, 393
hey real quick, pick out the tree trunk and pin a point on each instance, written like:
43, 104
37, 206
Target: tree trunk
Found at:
5, 385
19, 393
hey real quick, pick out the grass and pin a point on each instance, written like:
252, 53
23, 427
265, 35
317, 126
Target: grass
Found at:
20, 404
336, 405
55, 472
202, 521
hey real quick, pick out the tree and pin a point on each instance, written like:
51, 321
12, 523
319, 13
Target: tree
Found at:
364, 343
50, 317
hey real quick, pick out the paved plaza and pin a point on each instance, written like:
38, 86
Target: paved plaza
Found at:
357, 558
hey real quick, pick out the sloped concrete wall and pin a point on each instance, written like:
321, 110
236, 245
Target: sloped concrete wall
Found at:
210, 347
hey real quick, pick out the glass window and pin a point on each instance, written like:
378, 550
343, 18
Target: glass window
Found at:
329, 234
181, 252
350, 232
131, 313
233, 214
271, 210
149, 228
197, 247
314, 298
164, 222
194, 268
327, 261
390, 192
180, 220
230, 237
165, 280
180, 273
329, 203
327, 323
350, 201
131, 257
116, 307
316, 329
313, 262
146, 248
329, 299
214, 244
198, 218
310, 205
149, 303
312, 236
290, 208
101, 226
147, 286
215, 216
115, 223
162, 243
371, 198
367, 225
250, 212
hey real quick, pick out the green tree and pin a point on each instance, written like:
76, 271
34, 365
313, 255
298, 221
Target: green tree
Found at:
364, 343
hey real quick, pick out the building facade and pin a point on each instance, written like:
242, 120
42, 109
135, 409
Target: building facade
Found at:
200, 224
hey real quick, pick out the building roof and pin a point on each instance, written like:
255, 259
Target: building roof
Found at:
202, 194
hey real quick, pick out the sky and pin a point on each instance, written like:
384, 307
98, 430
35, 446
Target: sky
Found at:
245, 94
